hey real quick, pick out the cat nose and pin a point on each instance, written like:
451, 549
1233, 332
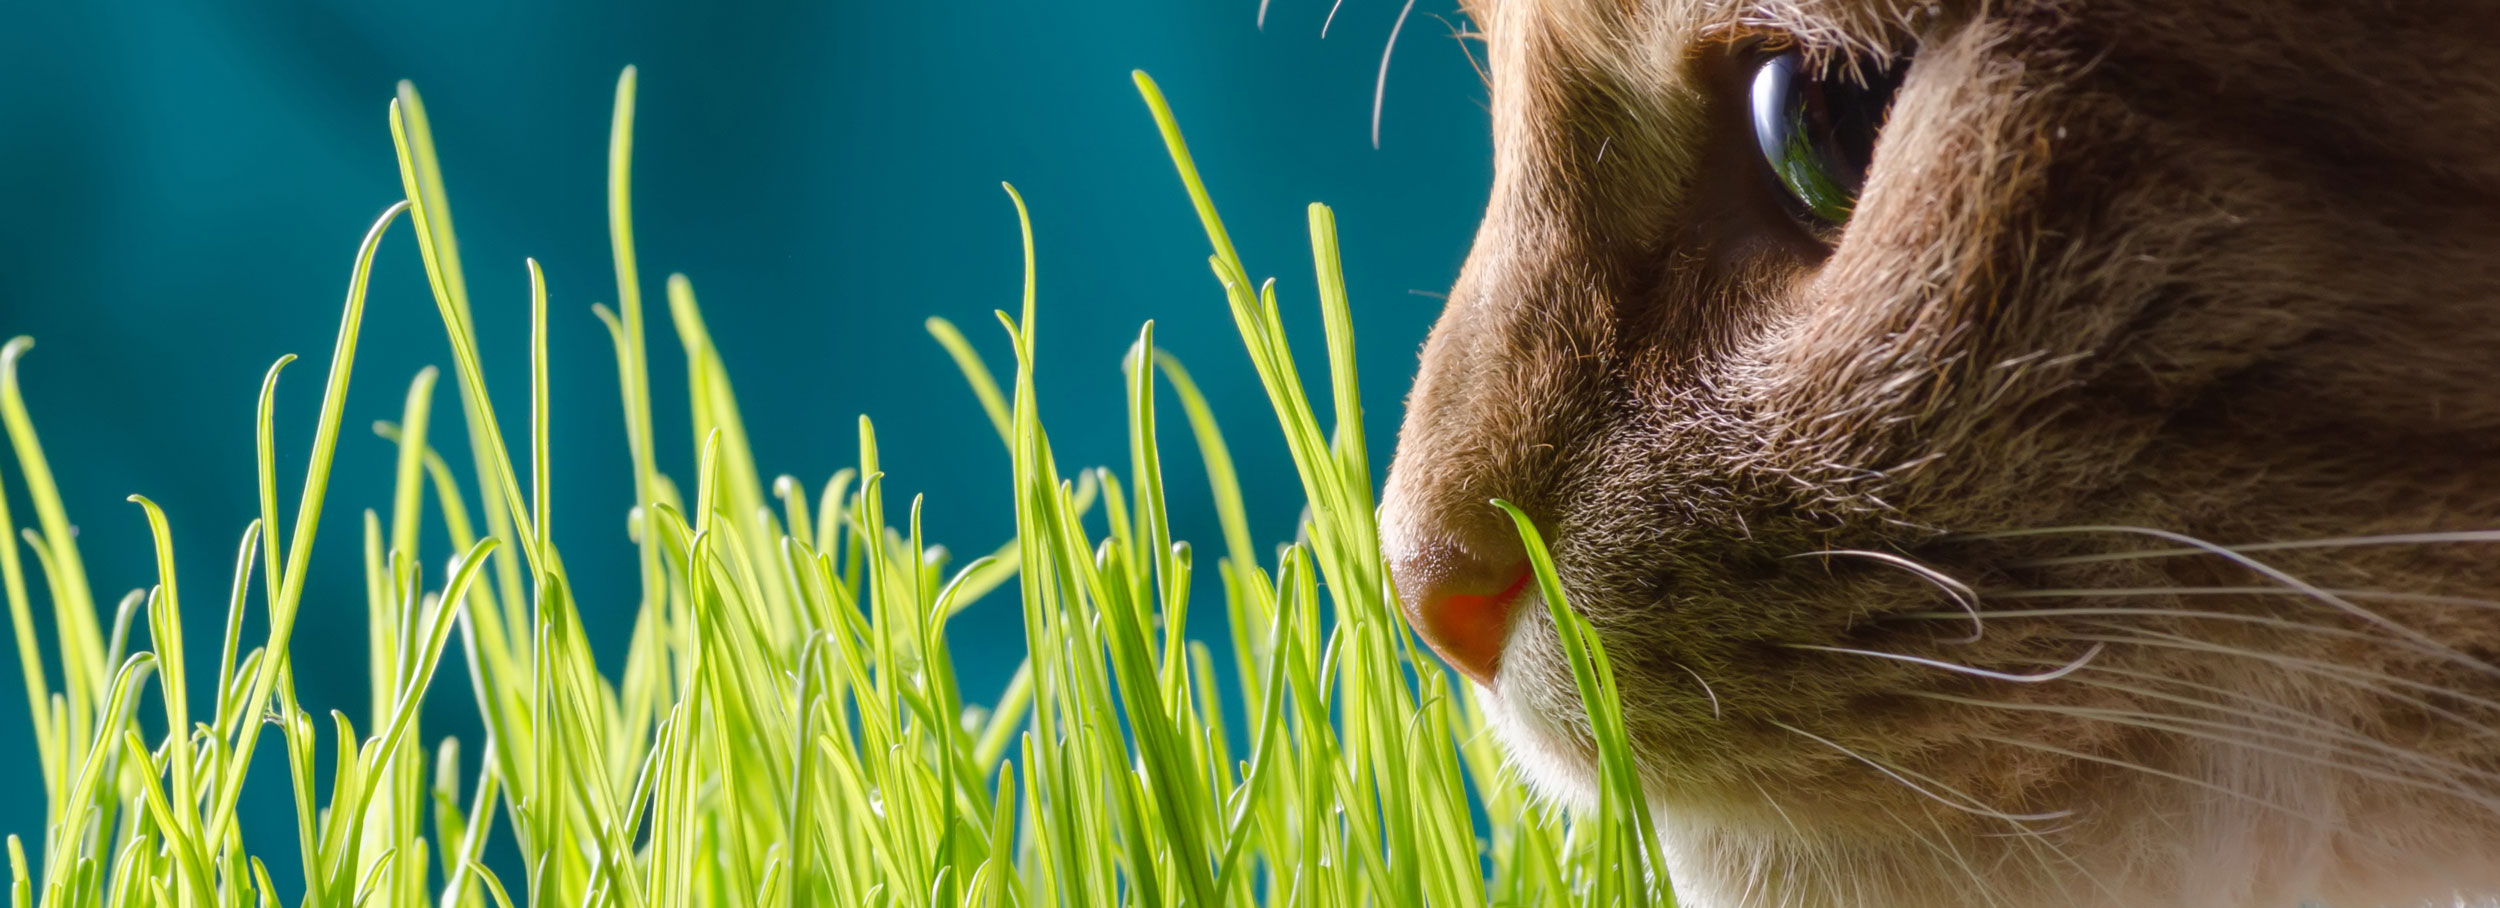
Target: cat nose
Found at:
1462, 598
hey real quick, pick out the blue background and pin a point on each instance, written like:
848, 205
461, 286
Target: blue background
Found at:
182, 188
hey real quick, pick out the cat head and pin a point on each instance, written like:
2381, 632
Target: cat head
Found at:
1890, 382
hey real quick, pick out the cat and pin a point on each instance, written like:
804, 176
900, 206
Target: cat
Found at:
2017, 453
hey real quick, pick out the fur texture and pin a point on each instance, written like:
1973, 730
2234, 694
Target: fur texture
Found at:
2130, 282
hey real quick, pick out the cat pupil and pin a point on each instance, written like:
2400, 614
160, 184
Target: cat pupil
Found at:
1817, 130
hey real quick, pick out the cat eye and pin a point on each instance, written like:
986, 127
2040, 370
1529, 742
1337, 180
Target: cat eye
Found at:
1817, 128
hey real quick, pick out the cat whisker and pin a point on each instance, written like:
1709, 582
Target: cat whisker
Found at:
2180, 778
1766, 866
1705, 688
2456, 536
2375, 683
2050, 675
1380, 91
2375, 842
1903, 776
2053, 830
2269, 621
2299, 726
2474, 726
1941, 845
1782, 812
2287, 710
2271, 572
2429, 782
1961, 593
2042, 848
2226, 791
2040, 839
2389, 595
2364, 765
2268, 712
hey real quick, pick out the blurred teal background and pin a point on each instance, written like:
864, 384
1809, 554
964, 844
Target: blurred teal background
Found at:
182, 187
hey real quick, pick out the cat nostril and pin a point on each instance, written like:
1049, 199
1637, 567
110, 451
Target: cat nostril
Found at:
1462, 601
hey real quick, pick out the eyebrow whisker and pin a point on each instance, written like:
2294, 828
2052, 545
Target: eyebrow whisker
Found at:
1380, 89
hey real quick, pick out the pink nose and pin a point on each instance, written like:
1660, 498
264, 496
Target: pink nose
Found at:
1463, 600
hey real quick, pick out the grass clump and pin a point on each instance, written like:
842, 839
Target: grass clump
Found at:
787, 729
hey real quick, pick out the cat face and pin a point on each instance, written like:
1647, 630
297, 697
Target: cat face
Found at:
1892, 381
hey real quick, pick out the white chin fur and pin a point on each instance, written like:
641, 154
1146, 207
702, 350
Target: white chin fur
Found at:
2219, 853
1527, 720
1533, 744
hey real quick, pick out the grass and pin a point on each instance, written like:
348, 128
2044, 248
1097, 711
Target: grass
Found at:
787, 729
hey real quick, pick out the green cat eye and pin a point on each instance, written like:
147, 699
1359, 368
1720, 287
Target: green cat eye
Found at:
1817, 131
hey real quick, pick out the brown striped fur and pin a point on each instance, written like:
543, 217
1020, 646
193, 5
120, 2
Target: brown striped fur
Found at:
2223, 268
